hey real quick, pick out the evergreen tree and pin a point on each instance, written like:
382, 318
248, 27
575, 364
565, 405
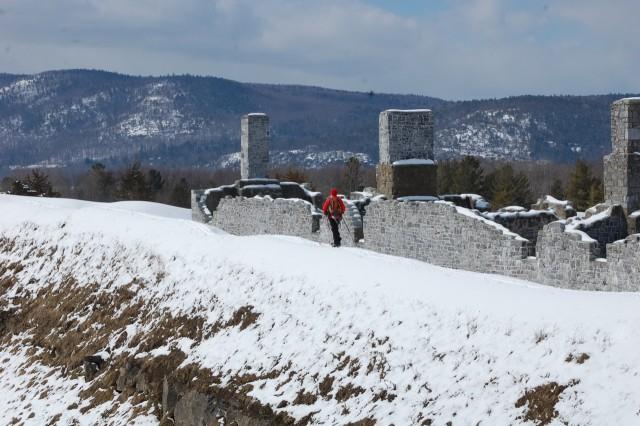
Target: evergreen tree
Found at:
446, 176
154, 184
292, 175
351, 175
508, 188
102, 183
20, 188
181, 194
596, 192
557, 190
40, 184
7, 183
133, 185
579, 188
468, 176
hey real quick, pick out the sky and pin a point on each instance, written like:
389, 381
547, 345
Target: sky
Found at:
452, 49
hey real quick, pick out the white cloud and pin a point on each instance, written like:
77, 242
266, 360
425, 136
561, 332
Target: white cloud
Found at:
475, 48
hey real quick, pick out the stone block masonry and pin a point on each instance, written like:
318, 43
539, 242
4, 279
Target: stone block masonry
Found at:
450, 236
456, 237
406, 165
254, 146
622, 166
438, 233
569, 259
402, 180
259, 216
405, 134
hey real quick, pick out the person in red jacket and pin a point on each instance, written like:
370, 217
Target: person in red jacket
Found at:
333, 208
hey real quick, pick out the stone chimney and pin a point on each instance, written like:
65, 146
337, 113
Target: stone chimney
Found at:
407, 166
622, 166
254, 146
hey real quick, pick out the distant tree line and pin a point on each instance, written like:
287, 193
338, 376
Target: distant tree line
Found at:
34, 184
100, 183
503, 184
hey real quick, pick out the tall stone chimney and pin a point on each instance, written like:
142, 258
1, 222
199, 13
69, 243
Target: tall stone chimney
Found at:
254, 146
407, 166
622, 166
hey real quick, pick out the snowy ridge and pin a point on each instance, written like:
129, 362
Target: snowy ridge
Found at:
407, 340
309, 157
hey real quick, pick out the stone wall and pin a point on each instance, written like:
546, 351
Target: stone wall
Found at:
257, 216
623, 258
205, 201
455, 237
527, 224
449, 236
440, 234
405, 134
254, 146
198, 211
568, 259
605, 227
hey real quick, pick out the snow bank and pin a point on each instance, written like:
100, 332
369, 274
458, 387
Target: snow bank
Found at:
440, 344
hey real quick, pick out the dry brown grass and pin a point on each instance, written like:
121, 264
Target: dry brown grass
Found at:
347, 392
578, 358
325, 386
541, 401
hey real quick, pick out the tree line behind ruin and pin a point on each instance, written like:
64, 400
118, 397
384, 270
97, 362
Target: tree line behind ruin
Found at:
503, 183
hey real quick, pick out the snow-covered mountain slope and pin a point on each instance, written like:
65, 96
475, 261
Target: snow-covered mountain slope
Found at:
310, 157
68, 117
317, 334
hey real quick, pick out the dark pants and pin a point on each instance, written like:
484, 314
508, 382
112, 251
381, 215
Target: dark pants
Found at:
335, 229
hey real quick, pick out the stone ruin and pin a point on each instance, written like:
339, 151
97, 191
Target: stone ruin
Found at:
254, 146
404, 215
407, 166
622, 166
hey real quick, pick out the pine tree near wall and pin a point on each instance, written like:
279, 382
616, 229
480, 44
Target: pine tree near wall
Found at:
584, 190
468, 177
556, 189
445, 176
464, 176
507, 188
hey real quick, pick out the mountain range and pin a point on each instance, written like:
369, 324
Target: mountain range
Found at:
71, 117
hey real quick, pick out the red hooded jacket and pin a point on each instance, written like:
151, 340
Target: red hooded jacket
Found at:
333, 206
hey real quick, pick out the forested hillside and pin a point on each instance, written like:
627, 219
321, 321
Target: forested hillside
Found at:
69, 117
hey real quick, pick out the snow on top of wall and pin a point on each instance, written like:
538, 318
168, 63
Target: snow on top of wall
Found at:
513, 209
407, 110
312, 209
554, 201
511, 214
309, 193
269, 186
423, 198
474, 197
414, 162
474, 214
590, 221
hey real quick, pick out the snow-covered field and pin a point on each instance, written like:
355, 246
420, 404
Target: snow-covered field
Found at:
362, 335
